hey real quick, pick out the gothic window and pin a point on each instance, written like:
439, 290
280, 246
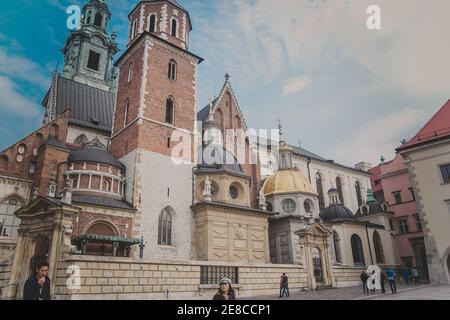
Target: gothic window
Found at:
39, 140
125, 113
337, 247
9, 223
98, 20
54, 130
94, 60
288, 205
172, 70
319, 187
81, 140
357, 250
378, 247
358, 193
3, 162
339, 188
170, 110
174, 28
165, 227
152, 23
218, 117
130, 72
32, 167
134, 29
237, 122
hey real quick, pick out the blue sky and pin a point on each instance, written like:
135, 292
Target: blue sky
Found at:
344, 91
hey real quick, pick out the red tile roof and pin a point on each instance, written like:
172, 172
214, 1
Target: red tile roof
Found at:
438, 126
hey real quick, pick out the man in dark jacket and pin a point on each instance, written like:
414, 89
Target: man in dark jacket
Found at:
37, 286
364, 278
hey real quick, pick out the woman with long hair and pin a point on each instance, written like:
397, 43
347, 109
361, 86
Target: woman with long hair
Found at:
225, 291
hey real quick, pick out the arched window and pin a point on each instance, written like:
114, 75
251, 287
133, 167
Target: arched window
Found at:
125, 113
339, 188
152, 27
172, 70
170, 110
174, 28
3, 162
288, 205
378, 247
319, 187
357, 250
98, 20
106, 185
39, 139
81, 140
218, 117
165, 227
54, 130
237, 122
337, 247
101, 228
9, 223
130, 72
358, 193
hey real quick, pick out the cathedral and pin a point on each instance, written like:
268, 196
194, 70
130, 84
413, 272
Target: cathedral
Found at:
130, 193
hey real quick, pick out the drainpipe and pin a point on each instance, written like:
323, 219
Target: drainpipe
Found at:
368, 242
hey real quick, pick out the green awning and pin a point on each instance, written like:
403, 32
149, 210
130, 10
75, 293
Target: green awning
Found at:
94, 238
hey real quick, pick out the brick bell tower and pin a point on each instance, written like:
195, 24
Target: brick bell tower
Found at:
154, 126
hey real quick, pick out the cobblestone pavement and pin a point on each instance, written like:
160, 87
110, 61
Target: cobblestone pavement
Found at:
405, 292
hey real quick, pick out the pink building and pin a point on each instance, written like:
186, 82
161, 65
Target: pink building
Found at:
377, 184
391, 179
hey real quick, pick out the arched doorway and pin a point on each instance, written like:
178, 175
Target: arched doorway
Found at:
317, 265
448, 267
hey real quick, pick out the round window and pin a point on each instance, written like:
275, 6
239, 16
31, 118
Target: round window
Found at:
288, 205
307, 207
233, 192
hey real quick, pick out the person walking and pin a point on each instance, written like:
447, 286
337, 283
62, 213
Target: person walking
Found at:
364, 278
405, 275
390, 274
225, 291
284, 286
37, 287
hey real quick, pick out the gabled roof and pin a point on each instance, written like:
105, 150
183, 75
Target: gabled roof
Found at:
437, 127
89, 106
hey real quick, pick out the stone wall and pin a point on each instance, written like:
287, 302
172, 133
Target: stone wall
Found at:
5, 271
123, 279
346, 276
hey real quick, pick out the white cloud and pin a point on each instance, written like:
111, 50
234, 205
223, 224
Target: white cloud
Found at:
21, 68
14, 102
295, 85
378, 137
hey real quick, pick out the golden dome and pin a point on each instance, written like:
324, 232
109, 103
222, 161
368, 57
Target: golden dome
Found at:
287, 181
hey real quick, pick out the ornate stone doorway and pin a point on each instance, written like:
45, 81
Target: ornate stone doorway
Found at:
314, 241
